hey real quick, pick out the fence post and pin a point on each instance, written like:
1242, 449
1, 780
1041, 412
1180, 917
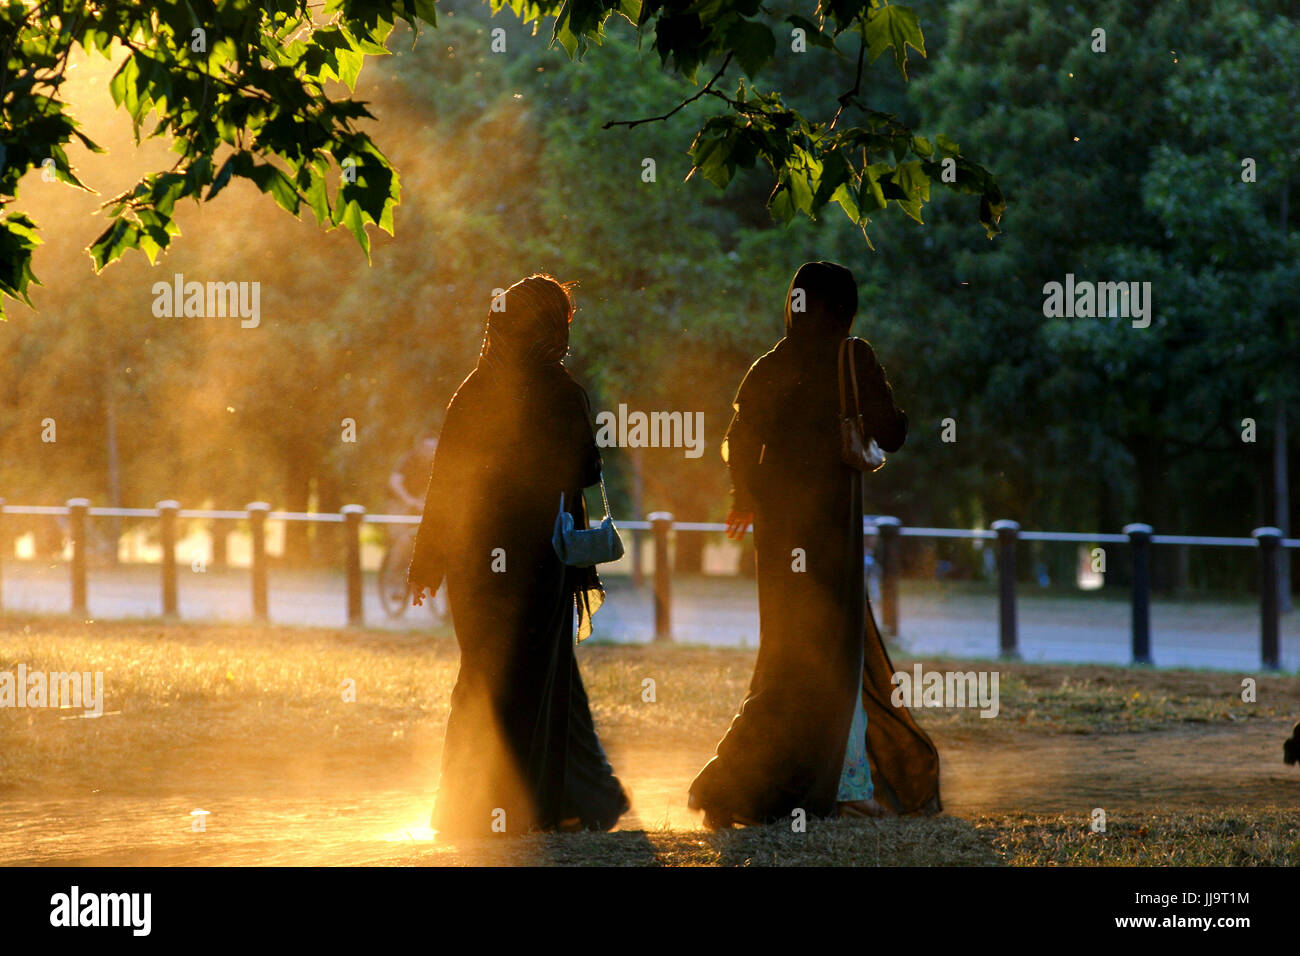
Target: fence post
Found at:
1139, 536
77, 532
352, 515
887, 528
257, 512
1008, 639
167, 516
660, 523
1270, 566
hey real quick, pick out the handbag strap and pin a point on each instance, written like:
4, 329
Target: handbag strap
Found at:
603, 497
853, 375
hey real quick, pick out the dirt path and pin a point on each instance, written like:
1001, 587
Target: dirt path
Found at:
366, 818
1186, 768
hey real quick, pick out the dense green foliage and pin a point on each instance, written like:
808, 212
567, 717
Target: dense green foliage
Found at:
242, 90
1122, 166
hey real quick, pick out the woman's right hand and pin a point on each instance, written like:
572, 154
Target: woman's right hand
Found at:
417, 595
738, 522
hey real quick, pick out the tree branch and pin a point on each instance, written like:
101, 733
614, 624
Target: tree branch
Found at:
846, 98
707, 88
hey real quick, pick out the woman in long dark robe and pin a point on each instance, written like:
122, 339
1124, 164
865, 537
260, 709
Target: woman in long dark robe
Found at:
521, 751
819, 649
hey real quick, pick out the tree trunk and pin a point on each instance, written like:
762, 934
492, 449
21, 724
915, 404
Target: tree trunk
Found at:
1150, 505
113, 460
1118, 575
637, 492
1281, 491
326, 539
688, 556
1282, 501
297, 533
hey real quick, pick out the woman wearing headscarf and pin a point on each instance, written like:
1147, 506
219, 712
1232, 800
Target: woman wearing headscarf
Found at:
521, 751
817, 730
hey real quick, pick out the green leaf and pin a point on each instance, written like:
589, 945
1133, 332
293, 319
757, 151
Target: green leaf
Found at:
269, 179
992, 206
835, 173
578, 22
355, 221
630, 10
222, 178
753, 44
18, 237
113, 242
123, 80
870, 195
847, 201
781, 203
317, 196
947, 147
893, 26
911, 178
793, 194
711, 152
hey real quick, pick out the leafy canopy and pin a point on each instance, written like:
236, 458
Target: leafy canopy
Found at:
245, 89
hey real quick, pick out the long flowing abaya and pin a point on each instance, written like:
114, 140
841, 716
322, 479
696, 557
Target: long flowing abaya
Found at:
819, 645
521, 751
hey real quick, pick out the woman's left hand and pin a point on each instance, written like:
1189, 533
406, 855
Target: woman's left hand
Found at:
738, 522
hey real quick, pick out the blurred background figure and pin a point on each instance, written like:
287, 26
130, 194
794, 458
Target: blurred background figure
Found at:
410, 476
406, 486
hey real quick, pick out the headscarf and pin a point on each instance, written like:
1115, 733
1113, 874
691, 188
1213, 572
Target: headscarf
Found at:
531, 328
791, 391
829, 299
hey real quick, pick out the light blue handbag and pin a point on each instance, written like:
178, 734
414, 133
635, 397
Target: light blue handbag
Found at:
583, 549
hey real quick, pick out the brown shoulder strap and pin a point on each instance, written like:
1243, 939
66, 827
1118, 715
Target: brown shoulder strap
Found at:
853, 377
839, 369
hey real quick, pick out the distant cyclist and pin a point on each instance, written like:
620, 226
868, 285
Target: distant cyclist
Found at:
406, 488
410, 476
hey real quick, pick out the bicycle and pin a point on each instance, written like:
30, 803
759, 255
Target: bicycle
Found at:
394, 593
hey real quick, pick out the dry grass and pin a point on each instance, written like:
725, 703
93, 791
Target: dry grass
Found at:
244, 711
1093, 699
1201, 838
177, 698
185, 688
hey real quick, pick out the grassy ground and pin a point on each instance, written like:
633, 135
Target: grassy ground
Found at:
251, 724
1237, 837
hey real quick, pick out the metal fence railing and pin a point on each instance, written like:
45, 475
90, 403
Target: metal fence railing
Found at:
1137, 538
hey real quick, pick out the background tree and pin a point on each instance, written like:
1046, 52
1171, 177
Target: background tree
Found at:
1088, 422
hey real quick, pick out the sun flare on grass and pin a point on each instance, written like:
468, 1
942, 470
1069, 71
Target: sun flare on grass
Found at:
247, 723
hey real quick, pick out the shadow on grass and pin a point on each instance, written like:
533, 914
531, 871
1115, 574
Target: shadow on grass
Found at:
945, 841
